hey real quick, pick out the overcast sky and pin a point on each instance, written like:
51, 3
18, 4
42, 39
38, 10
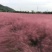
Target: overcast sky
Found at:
29, 5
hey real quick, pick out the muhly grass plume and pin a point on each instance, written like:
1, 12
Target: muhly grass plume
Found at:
18, 35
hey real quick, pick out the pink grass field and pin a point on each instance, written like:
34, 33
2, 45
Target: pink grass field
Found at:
21, 32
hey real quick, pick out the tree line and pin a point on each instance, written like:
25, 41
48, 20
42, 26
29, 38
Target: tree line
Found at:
8, 9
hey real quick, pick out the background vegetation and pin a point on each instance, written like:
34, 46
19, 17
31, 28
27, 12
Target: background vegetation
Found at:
8, 9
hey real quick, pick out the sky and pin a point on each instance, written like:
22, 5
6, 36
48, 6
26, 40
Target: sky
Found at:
28, 5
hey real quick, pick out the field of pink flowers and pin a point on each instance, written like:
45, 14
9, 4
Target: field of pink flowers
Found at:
25, 32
